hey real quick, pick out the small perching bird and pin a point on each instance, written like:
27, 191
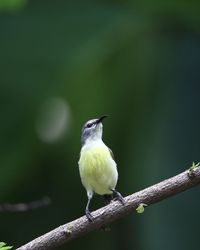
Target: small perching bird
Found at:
97, 167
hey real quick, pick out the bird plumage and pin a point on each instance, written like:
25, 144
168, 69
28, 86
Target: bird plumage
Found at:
98, 170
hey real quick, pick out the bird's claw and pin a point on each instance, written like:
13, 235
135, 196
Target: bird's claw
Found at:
89, 216
119, 197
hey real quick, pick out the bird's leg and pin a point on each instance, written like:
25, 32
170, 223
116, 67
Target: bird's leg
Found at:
118, 196
87, 211
107, 198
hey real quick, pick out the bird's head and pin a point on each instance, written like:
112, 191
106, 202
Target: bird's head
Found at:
92, 130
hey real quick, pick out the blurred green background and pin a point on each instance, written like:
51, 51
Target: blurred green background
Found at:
64, 62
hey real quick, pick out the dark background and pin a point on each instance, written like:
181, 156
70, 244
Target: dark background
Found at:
65, 62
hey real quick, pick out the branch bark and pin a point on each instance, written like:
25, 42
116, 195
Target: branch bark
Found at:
114, 211
24, 207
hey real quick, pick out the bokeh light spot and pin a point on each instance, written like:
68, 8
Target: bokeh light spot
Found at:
53, 121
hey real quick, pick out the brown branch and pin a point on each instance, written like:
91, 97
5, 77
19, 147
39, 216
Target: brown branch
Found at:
23, 207
114, 211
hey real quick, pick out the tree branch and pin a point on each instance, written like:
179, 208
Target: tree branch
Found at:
23, 207
114, 211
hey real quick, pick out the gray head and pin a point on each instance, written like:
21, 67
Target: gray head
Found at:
92, 130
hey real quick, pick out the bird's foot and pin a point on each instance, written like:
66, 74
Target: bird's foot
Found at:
89, 215
119, 197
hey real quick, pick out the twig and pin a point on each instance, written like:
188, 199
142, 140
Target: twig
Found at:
23, 207
114, 211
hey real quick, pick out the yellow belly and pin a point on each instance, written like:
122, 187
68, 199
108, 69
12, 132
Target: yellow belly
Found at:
97, 169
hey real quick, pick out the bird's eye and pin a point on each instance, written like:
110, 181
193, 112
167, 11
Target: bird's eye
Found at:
89, 125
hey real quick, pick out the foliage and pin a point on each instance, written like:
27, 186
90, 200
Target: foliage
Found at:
140, 208
192, 168
12, 5
4, 247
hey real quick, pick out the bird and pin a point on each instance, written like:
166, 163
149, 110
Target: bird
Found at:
97, 167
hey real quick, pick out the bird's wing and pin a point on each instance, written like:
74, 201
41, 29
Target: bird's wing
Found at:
111, 153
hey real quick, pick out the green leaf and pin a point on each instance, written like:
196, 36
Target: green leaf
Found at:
2, 244
192, 168
140, 208
194, 165
4, 247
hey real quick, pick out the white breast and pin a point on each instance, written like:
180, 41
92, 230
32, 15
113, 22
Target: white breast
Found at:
98, 170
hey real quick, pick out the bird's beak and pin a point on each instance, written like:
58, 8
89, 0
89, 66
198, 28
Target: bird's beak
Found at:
101, 119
